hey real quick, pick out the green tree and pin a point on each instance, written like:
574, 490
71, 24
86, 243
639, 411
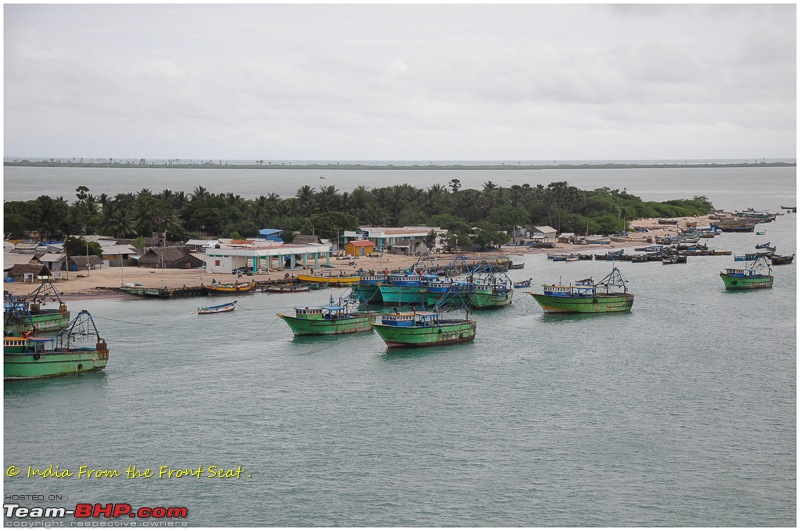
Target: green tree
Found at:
79, 246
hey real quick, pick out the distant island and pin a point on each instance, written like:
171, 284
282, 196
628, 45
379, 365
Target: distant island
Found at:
266, 165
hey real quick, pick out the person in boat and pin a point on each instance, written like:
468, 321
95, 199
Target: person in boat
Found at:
213, 281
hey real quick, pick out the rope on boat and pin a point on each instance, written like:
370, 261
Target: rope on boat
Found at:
121, 321
261, 331
333, 344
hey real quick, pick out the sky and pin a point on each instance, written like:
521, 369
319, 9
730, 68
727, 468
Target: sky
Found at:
400, 81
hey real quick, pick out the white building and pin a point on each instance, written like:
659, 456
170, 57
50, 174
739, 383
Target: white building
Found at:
263, 255
544, 233
385, 238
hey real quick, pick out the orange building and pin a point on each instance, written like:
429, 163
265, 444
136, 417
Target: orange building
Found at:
359, 248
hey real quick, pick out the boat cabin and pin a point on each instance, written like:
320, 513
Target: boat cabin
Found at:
19, 345
743, 273
372, 279
580, 289
407, 319
320, 313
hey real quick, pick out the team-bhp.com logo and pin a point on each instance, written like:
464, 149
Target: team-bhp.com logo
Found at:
96, 510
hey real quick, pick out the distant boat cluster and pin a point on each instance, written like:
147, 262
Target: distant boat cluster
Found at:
411, 308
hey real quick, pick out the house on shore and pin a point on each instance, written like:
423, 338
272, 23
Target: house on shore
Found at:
31, 273
170, 258
264, 255
543, 233
398, 240
359, 248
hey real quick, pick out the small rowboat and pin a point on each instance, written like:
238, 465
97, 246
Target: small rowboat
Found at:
220, 308
226, 289
327, 280
523, 284
289, 288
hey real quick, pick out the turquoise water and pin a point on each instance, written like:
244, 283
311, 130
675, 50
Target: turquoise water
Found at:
680, 413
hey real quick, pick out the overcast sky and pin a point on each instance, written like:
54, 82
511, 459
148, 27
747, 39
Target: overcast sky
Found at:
400, 82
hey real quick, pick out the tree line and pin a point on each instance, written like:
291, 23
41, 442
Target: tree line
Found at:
475, 218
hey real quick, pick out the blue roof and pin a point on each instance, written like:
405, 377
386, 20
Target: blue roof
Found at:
271, 234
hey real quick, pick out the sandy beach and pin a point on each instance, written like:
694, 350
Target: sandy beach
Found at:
105, 282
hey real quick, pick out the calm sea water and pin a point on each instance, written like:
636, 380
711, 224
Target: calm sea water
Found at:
680, 413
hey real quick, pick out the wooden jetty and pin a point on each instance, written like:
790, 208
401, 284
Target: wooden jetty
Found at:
165, 292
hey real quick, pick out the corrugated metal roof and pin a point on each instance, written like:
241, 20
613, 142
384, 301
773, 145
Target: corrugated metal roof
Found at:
10, 259
118, 249
52, 257
202, 242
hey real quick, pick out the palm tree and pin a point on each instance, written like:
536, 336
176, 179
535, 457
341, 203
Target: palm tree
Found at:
305, 200
435, 200
81, 193
165, 218
327, 198
120, 221
199, 194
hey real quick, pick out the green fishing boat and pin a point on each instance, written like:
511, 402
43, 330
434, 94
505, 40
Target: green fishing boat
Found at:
448, 289
77, 349
366, 290
757, 276
28, 314
486, 297
406, 289
491, 288
587, 297
327, 320
423, 329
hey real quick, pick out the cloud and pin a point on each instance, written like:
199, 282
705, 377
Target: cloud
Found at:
399, 81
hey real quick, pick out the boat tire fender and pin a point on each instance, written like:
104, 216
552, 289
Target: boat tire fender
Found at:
594, 300
36, 355
461, 336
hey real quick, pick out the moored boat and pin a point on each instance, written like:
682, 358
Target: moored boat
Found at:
435, 290
327, 320
490, 288
219, 308
584, 296
367, 290
781, 260
286, 288
424, 329
27, 357
327, 280
673, 259
227, 289
406, 288
523, 283
27, 314
757, 276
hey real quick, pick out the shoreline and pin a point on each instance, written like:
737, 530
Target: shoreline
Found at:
105, 282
